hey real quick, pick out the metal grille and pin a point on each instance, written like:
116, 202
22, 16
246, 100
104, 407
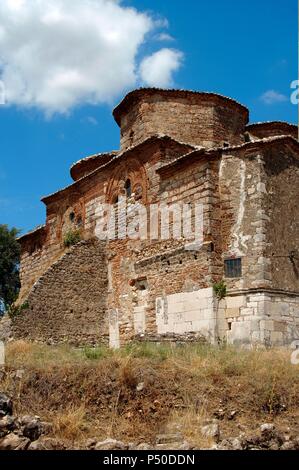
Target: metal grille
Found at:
233, 267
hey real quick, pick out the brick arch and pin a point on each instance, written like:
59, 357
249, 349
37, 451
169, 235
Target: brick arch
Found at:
133, 170
72, 205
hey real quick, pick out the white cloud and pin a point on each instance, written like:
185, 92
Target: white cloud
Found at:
273, 97
164, 37
91, 120
57, 54
157, 69
162, 23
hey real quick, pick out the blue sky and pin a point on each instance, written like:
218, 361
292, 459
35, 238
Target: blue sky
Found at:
245, 50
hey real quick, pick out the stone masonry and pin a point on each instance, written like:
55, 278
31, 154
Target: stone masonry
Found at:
177, 147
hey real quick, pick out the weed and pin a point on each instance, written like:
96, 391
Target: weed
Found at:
72, 237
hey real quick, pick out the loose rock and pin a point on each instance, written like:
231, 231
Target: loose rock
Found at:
5, 405
14, 442
169, 438
212, 430
46, 443
111, 444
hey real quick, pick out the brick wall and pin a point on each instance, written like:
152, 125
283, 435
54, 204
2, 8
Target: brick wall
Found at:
142, 271
192, 118
117, 291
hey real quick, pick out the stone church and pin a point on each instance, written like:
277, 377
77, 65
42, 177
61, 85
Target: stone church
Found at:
240, 286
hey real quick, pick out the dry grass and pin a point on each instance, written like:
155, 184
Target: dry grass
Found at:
189, 423
23, 354
182, 384
70, 424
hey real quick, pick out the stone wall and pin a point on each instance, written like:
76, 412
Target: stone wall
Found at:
188, 312
69, 302
259, 193
281, 168
267, 318
35, 261
5, 328
243, 217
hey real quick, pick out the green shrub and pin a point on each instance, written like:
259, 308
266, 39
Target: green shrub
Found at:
97, 353
14, 310
71, 238
220, 289
148, 350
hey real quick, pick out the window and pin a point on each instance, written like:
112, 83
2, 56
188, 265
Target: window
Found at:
131, 138
141, 284
128, 188
233, 267
247, 137
72, 216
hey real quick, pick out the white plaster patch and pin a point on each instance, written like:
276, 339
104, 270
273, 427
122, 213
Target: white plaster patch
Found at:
240, 239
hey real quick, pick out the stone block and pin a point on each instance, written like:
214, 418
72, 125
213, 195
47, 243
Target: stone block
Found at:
232, 312
255, 325
235, 302
175, 307
208, 314
280, 326
240, 332
204, 293
179, 328
277, 338
192, 315
195, 304
267, 325
256, 337
247, 311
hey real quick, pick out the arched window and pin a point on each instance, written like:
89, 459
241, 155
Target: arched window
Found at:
131, 138
128, 188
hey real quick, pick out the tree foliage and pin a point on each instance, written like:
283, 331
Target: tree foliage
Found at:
9, 265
